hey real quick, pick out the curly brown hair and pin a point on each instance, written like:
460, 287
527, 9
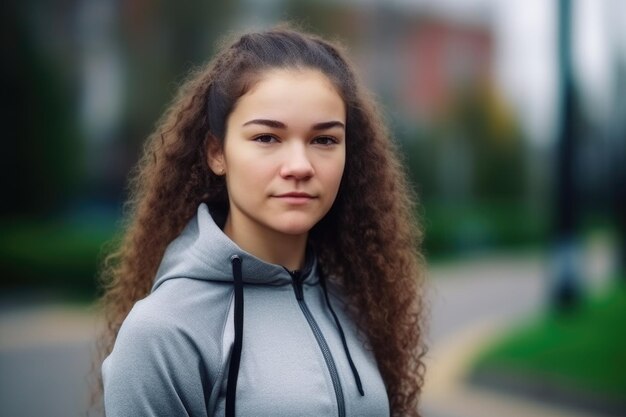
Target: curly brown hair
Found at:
368, 243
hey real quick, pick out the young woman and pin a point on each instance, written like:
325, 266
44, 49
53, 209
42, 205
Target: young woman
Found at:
270, 265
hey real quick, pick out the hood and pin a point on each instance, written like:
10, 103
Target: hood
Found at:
202, 251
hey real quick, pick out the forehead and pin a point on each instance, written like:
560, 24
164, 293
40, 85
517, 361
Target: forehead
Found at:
296, 94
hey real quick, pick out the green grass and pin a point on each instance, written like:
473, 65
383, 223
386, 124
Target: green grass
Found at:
585, 349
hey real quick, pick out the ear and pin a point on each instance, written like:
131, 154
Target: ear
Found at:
215, 156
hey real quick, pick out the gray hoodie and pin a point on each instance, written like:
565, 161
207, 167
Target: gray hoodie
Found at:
177, 352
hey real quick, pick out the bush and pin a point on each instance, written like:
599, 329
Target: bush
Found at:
61, 256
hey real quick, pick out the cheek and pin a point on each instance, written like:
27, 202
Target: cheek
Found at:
246, 175
332, 173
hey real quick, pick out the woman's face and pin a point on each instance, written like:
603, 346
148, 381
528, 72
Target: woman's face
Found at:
284, 153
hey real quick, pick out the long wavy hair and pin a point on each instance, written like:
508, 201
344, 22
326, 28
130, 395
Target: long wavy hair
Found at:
368, 244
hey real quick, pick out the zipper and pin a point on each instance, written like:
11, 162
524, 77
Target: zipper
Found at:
328, 358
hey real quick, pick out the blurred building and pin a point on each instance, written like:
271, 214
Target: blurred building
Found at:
442, 59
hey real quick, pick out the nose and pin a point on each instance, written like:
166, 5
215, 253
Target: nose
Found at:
297, 164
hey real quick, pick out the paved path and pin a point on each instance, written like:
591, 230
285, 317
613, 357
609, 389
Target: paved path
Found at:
45, 351
472, 303
45, 360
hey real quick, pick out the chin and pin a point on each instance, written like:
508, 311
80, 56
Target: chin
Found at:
294, 226
294, 229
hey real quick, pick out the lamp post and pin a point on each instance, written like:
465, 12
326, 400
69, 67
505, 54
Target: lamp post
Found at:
566, 285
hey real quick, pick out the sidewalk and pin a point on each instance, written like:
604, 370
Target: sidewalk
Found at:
447, 395
47, 325
471, 304
45, 360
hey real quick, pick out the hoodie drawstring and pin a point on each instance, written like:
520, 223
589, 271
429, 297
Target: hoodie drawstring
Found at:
235, 359
357, 378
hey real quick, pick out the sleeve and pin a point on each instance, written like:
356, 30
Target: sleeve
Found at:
154, 370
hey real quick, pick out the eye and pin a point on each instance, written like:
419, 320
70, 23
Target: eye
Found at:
325, 140
265, 139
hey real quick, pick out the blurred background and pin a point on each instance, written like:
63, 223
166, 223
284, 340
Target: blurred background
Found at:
510, 117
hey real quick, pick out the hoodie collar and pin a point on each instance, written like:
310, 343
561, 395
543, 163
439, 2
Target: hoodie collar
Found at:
203, 251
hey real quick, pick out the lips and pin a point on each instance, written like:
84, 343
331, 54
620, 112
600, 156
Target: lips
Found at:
294, 194
295, 198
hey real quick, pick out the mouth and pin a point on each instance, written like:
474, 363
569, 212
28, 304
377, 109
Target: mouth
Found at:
296, 198
294, 194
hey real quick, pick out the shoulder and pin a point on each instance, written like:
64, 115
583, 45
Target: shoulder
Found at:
163, 361
151, 335
183, 318
183, 303
182, 306
147, 320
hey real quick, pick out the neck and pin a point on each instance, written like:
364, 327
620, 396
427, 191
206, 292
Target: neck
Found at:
269, 245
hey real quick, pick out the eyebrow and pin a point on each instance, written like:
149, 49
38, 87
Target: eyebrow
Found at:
280, 125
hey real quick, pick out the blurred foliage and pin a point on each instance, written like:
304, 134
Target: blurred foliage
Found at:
157, 46
470, 172
44, 172
40, 160
583, 350
485, 134
470, 165
60, 256
451, 230
161, 43
326, 18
